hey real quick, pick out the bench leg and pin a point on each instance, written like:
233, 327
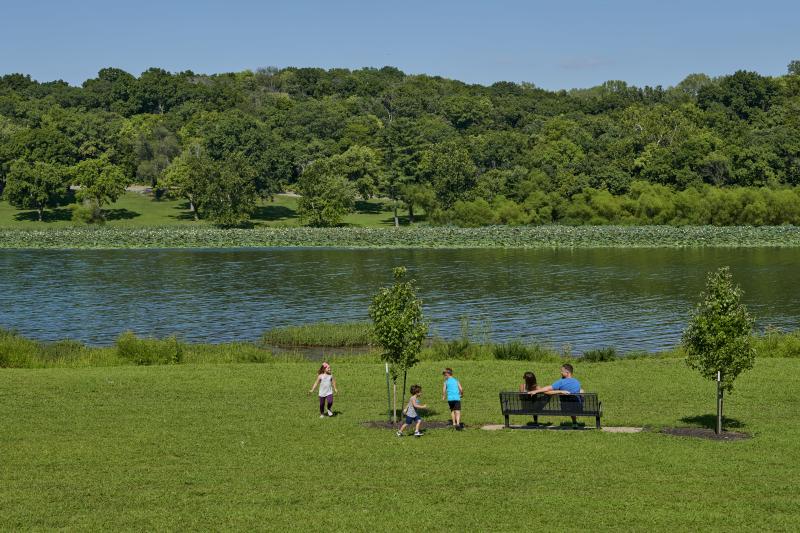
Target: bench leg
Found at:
597, 421
507, 423
536, 419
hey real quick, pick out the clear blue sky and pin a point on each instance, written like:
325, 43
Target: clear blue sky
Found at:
554, 44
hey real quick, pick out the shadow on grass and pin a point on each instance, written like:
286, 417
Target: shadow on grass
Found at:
120, 214
184, 213
271, 213
368, 208
59, 214
710, 421
402, 219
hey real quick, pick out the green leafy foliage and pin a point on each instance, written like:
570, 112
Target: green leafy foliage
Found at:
149, 351
720, 151
599, 355
34, 185
518, 351
718, 338
321, 334
399, 325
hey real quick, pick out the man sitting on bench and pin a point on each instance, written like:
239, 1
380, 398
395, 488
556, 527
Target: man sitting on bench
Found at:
566, 385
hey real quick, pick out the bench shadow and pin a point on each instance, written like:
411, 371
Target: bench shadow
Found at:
710, 421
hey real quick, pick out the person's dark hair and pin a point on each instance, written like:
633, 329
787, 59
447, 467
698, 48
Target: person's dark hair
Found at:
321, 370
415, 389
530, 380
567, 367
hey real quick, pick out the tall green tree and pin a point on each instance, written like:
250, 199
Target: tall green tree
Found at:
399, 326
34, 185
326, 194
100, 182
221, 191
718, 340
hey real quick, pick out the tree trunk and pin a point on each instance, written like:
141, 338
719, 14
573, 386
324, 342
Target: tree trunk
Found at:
40, 210
394, 402
403, 395
388, 395
410, 213
396, 224
718, 428
193, 209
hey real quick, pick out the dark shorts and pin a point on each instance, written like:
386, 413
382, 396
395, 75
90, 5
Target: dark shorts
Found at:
413, 419
455, 405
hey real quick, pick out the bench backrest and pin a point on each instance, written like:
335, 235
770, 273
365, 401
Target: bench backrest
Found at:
521, 403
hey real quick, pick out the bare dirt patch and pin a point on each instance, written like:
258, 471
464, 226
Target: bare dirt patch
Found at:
705, 433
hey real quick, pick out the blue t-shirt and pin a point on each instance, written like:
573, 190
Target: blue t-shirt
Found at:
571, 385
453, 393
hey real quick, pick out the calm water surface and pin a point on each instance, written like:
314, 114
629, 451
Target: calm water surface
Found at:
629, 299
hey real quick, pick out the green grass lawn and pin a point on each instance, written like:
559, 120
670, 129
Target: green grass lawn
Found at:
241, 446
138, 210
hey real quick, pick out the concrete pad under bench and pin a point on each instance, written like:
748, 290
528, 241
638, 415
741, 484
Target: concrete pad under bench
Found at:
618, 429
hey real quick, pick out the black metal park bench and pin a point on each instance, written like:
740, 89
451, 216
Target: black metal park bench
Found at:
521, 403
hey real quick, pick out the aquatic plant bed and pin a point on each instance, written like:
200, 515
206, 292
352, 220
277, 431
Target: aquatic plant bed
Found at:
416, 237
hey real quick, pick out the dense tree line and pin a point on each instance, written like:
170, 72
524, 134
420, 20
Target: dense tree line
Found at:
464, 154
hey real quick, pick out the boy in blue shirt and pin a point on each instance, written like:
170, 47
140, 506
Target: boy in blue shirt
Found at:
452, 391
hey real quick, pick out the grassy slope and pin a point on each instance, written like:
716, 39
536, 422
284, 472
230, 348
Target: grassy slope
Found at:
135, 210
240, 446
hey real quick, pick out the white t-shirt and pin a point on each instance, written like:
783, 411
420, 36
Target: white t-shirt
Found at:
325, 385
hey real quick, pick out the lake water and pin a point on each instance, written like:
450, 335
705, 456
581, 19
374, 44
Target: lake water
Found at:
627, 298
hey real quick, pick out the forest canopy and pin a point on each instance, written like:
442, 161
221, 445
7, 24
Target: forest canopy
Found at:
720, 150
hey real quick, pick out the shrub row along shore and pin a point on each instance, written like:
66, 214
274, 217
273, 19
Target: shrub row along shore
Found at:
286, 345
418, 237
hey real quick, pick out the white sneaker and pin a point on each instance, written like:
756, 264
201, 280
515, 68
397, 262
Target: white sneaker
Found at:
330, 413
322, 416
399, 433
417, 434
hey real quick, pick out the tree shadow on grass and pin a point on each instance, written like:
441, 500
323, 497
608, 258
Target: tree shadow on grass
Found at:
710, 421
59, 214
120, 214
184, 213
272, 213
369, 208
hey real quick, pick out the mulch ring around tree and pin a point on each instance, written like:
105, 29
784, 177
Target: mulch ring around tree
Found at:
383, 424
706, 433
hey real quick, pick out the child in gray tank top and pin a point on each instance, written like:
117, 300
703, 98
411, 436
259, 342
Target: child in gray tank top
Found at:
412, 415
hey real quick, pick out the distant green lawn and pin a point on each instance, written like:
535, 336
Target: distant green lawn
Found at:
241, 446
139, 210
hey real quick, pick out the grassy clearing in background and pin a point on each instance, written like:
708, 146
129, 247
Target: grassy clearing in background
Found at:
242, 447
136, 210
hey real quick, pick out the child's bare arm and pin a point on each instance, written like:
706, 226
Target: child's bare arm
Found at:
333, 382
314, 386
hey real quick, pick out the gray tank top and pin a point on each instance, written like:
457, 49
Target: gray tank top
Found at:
410, 411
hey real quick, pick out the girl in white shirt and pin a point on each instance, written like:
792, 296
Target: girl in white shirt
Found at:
327, 387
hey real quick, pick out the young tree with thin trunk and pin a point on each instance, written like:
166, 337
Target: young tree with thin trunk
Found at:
718, 340
400, 327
